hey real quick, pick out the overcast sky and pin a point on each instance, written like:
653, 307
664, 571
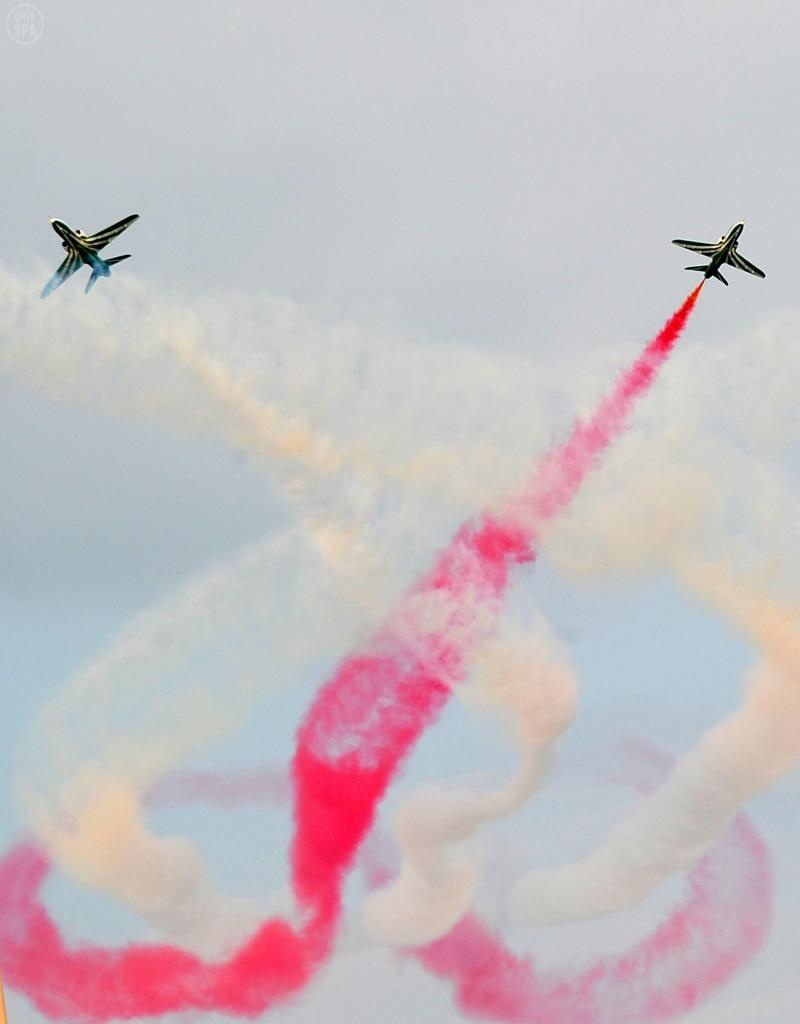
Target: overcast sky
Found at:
495, 179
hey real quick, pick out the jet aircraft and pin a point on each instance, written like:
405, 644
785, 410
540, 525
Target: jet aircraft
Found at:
722, 252
82, 249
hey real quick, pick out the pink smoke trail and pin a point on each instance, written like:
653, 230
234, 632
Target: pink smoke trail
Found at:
359, 729
695, 951
225, 791
701, 945
721, 923
365, 720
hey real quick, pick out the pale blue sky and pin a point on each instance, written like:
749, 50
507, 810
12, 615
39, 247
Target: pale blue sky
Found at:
504, 177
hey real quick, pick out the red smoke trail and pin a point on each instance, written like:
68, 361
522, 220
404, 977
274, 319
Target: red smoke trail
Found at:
357, 732
700, 946
697, 949
366, 719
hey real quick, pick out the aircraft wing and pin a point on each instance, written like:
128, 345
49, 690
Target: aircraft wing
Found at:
741, 263
64, 273
704, 248
101, 239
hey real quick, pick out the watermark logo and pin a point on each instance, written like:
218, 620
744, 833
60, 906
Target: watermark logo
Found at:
25, 24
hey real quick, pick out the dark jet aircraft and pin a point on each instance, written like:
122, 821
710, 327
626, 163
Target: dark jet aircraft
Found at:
725, 251
82, 249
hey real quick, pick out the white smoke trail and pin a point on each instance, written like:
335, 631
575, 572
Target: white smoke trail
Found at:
305, 400
673, 497
672, 828
189, 671
668, 832
451, 429
183, 674
523, 675
700, 494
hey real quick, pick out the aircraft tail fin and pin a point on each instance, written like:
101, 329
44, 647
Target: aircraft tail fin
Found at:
703, 270
102, 269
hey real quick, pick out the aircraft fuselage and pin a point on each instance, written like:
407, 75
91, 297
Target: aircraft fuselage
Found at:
729, 242
84, 250
72, 239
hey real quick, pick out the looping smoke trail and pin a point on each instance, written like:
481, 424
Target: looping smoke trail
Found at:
91, 984
700, 945
717, 929
673, 826
152, 358
151, 699
366, 719
118, 754
721, 923
697, 949
519, 673
356, 734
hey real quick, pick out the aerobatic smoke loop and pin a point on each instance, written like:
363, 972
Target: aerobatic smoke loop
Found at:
358, 731
710, 935
519, 674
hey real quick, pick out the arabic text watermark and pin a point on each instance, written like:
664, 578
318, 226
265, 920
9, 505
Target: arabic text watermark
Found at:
25, 24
